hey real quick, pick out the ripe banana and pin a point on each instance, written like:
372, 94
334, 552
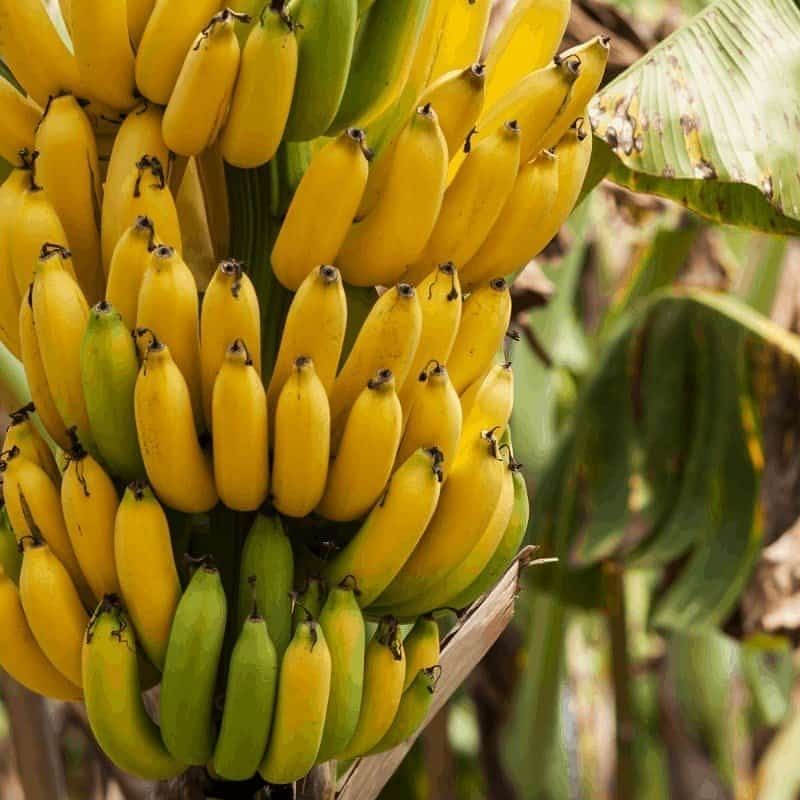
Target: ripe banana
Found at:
492, 404
69, 170
322, 209
299, 720
19, 116
211, 176
365, 455
308, 602
260, 108
178, 469
20, 655
169, 307
388, 339
343, 625
434, 419
384, 674
527, 41
139, 12
126, 270
461, 37
326, 35
165, 43
473, 202
249, 702
302, 442
113, 697
102, 44
393, 528
379, 248
241, 452
190, 669
109, 367
199, 102
484, 322
10, 555
422, 648
22, 434
11, 193
508, 247
267, 556
230, 312
145, 564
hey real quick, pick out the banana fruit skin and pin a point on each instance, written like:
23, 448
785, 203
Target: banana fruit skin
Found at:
22, 434
422, 648
190, 669
113, 697
20, 115
11, 193
309, 600
461, 37
492, 405
10, 556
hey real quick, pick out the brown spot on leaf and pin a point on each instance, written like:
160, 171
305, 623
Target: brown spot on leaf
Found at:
705, 170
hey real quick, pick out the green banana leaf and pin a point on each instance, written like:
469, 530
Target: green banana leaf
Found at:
709, 117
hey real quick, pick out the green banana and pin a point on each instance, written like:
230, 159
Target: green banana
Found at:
343, 625
267, 555
326, 33
382, 61
109, 367
310, 600
113, 697
249, 702
190, 669
10, 555
422, 648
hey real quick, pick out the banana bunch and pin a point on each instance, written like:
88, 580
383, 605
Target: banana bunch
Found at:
186, 505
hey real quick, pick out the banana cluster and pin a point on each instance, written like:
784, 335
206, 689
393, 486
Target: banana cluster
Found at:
372, 464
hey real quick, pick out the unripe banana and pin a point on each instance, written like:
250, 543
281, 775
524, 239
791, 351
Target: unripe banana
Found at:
241, 451
178, 469
198, 105
169, 307
166, 40
19, 116
102, 44
20, 655
322, 209
422, 648
113, 697
484, 322
491, 407
139, 12
473, 202
365, 456
22, 434
302, 442
308, 602
379, 248
299, 720
326, 35
10, 555
249, 702
462, 34
393, 528
11, 193
384, 674
230, 312
343, 625
260, 107
190, 670
267, 556
69, 170
148, 577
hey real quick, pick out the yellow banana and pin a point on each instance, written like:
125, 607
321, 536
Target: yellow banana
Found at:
11, 193
379, 248
422, 648
20, 655
322, 208
166, 40
440, 301
10, 555
302, 441
178, 469
365, 456
19, 116
23, 435
239, 413
527, 41
484, 322
34, 52
594, 57
148, 577
198, 249
388, 339
299, 719
473, 202
169, 307
199, 102
126, 270
434, 419
259, 107
461, 37
492, 404
69, 170
139, 12
508, 245
211, 175
230, 312
103, 51
315, 327
113, 697
53, 609
393, 528
384, 674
